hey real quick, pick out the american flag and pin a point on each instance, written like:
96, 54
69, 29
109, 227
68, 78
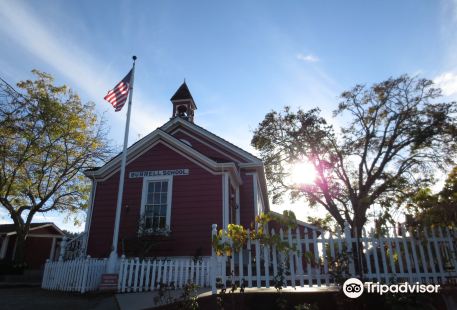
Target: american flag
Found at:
118, 95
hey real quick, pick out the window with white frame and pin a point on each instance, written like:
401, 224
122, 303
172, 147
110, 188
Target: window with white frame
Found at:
156, 204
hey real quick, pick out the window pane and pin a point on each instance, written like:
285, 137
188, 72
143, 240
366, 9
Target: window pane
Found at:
156, 207
157, 187
148, 210
156, 199
163, 198
150, 195
163, 210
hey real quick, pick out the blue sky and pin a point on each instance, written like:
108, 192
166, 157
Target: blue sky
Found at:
240, 58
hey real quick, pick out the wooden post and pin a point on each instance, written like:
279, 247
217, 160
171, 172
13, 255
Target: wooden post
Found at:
213, 261
63, 245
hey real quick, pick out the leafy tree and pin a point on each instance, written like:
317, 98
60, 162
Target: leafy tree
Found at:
47, 138
393, 135
436, 209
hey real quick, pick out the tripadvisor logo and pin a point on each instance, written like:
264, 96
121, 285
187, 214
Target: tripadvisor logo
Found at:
353, 288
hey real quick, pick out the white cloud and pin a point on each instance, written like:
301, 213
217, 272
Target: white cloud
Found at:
307, 58
447, 82
65, 55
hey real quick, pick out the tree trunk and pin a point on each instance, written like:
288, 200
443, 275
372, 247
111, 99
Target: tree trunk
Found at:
19, 254
357, 246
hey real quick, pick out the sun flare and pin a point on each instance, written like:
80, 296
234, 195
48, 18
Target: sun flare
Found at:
302, 172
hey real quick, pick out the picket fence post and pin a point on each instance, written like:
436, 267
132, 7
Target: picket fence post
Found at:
213, 260
85, 273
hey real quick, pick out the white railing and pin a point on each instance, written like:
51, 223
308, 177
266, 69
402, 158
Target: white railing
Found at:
148, 275
79, 275
75, 248
313, 259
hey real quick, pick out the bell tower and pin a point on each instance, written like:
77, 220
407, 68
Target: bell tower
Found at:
183, 103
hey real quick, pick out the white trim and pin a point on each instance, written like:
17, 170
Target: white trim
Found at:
237, 200
225, 200
156, 137
204, 143
144, 194
89, 215
61, 233
43, 236
259, 171
255, 193
53, 249
262, 201
212, 136
186, 142
4, 247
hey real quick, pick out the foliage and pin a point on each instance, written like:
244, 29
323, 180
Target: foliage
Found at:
143, 242
236, 236
327, 223
394, 137
279, 281
307, 306
189, 297
338, 267
164, 293
223, 295
48, 138
439, 209
409, 301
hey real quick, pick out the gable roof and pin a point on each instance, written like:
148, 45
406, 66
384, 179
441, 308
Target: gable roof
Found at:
9, 229
147, 142
177, 121
163, 133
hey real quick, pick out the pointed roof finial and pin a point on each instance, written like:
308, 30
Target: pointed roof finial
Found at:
182, 93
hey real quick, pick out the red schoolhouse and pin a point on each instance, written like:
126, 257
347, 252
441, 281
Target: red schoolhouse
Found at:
179, 180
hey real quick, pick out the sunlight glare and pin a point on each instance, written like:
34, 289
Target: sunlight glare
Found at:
303, 173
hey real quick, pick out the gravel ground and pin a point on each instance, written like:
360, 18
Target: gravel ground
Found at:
35, 298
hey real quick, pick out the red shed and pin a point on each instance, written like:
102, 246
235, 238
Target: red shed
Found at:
42, 243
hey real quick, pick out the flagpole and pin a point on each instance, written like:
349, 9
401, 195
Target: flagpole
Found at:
113, 255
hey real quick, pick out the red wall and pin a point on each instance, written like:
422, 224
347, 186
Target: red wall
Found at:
37, 250
196, 204
208, 151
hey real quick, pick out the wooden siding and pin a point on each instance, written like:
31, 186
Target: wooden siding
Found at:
246, 200
37, 250
196, 204
204, 149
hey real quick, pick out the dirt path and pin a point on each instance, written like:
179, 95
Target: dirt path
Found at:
35, 298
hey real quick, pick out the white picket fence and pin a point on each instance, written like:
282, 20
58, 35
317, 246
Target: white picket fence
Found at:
148, 275
79, 275
313, 259
428, 256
